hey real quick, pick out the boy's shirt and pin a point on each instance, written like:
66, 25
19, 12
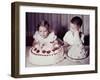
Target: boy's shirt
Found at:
76, 49
73, 39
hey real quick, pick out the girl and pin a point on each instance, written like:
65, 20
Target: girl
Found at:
45, 37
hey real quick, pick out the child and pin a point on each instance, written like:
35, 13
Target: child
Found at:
75, 39
44, 36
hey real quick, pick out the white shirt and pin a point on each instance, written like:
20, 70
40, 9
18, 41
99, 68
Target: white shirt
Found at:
76, 50
73, 39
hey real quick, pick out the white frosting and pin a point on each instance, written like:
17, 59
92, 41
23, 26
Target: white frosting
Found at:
40, 58
77, 52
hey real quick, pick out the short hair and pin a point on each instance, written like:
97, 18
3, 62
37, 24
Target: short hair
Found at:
77, 21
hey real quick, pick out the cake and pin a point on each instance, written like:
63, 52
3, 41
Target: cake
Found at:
46, 54
77, 53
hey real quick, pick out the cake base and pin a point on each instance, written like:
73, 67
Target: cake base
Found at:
45, 59
77, 53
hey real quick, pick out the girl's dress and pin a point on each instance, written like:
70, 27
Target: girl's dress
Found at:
50, 38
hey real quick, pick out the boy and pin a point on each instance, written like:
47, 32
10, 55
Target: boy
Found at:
75, 39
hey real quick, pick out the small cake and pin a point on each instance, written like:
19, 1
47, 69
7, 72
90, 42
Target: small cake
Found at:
47, 54
77, 53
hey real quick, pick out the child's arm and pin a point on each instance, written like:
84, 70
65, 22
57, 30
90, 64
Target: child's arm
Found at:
35, 38
66, 44
68, 39
34, 42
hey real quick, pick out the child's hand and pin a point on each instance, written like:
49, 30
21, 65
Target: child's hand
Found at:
74, 28
34, 43
75, 31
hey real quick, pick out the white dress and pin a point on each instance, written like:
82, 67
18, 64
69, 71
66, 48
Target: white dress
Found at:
76, 50
50, 38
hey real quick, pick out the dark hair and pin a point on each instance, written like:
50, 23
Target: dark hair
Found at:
77, 21
45, 24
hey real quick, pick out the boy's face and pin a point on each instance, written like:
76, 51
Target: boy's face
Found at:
74, 27
43, 31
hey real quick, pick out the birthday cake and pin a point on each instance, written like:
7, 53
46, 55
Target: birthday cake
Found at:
46, 54
76, 52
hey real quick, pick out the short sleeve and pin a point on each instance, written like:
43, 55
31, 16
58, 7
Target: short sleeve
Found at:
51, 37
68, 38
36, 36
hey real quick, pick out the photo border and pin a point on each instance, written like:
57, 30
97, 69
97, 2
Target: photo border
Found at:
15, 38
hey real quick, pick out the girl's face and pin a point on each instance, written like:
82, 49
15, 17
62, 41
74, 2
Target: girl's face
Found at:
74, 27
43, 31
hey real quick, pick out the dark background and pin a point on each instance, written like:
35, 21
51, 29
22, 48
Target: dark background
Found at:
58, 22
